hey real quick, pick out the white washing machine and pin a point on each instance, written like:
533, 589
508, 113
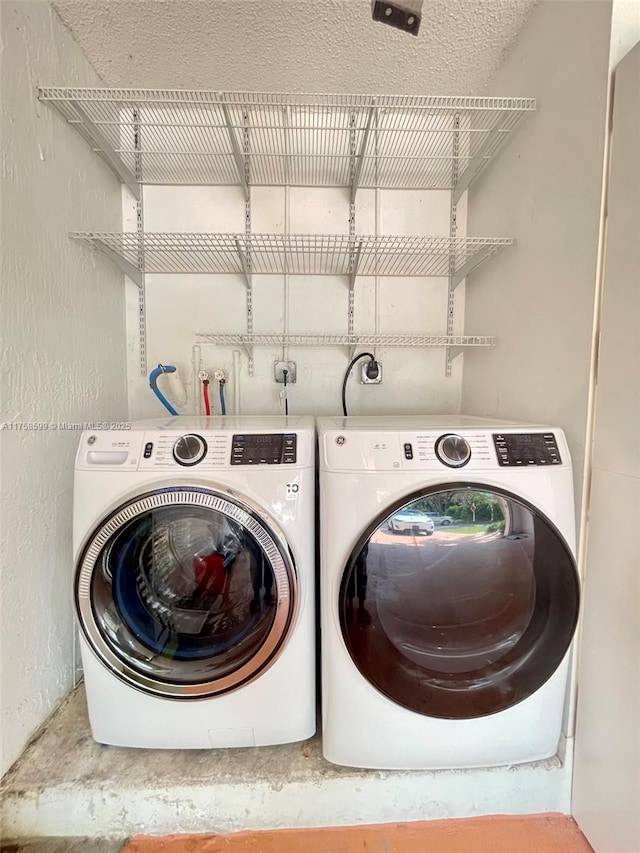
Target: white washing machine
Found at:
449, 591
194, 588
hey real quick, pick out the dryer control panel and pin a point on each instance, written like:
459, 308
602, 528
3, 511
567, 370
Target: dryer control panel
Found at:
530, 448
462, 451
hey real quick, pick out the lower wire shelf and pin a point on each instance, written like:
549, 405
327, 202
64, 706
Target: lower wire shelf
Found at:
455, 344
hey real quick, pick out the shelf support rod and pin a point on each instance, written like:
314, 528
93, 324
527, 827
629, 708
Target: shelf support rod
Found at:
237, 154
360, 158
248, 280
480, 160
108, 152
355, 263
353, 272
141, 260
453, 233
126, 266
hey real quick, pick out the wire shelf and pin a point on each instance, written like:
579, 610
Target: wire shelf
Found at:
207, 137
278, 340
296, 254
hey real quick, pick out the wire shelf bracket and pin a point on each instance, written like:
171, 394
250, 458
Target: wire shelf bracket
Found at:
245, 265
237, 155
482, 254
452, 354
482, 157
129, 269
108, 152
360, 157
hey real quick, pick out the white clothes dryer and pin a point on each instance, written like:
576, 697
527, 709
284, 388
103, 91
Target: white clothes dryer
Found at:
449, 590
194, 587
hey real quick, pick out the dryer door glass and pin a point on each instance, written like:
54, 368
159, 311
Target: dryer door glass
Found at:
460, 602
184, 592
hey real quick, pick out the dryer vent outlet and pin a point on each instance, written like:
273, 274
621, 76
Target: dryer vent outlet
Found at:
402, 14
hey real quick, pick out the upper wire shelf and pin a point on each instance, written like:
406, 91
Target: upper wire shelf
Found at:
259, 139
295, 254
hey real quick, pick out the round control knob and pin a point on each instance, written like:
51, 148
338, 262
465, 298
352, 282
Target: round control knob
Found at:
189, 449
453, 450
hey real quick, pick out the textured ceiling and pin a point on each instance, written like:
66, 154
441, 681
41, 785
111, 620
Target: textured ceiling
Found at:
293, 45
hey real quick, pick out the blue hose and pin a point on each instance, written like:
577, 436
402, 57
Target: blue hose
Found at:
223, 406
153, 378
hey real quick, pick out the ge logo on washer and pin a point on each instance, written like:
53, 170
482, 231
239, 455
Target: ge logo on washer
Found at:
340, 440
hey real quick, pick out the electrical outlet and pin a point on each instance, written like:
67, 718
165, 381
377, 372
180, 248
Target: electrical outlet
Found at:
365, 379
290, 367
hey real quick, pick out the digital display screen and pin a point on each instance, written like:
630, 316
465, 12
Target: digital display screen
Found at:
263, 449
260, 445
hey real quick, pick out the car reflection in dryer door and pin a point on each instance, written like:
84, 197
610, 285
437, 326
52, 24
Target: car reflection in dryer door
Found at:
469, 621
409, 520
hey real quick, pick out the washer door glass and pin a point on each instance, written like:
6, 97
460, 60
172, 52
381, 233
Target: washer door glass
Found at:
460, 602
185, 592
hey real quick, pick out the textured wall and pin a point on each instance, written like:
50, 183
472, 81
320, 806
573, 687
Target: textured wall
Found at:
545, 190
294, 45
63, 356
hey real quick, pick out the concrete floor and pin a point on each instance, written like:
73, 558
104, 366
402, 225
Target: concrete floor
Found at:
62, 845
65, 786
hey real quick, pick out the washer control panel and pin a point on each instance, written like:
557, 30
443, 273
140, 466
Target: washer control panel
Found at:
264, 449
524, 449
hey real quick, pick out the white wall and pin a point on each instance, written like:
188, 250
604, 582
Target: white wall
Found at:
606, 790
178, 306
63, 356
545, 190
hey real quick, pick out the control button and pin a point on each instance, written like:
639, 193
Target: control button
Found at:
408, 451
148, 450
453, 450
189, 449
